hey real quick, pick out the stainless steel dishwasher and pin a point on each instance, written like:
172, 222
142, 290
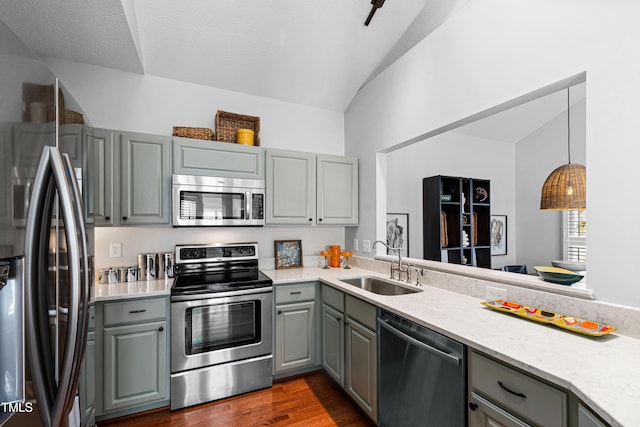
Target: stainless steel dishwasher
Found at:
421, 375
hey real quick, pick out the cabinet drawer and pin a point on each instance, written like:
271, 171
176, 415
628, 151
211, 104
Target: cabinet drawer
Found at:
361, 311
295, 293
333, 297
134, 311
518, 392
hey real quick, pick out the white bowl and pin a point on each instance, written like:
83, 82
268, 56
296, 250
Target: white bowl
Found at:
570, 265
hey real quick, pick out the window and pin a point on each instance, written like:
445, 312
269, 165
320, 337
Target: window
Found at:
575, 235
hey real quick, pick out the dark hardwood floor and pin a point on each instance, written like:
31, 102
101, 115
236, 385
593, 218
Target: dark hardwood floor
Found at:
309, 400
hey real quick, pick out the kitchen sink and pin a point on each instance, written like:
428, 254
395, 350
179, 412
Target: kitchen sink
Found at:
379, 286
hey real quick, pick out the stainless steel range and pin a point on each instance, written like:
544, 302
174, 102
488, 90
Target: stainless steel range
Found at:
221, 323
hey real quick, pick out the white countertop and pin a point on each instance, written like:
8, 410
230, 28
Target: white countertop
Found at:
141, 289
604, 372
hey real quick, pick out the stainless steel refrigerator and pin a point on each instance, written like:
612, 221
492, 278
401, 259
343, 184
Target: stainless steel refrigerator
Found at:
45, 248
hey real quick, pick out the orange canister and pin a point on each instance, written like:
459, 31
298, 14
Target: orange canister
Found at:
334, 261
244, 136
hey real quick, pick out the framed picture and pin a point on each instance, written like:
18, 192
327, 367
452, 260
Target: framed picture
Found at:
498, 234
288, 253
398, 232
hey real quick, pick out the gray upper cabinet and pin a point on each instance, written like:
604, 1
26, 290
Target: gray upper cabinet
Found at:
219, 159
100, 180
305, 188
130, 177
6, 157
70, 142
291, 187
145, 174
337, 190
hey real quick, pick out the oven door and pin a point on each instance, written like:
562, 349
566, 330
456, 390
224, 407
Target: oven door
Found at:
218, 328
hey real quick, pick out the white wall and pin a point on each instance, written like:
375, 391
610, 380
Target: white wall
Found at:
136, 240
493, 51
127, 101
539, 232
452, 154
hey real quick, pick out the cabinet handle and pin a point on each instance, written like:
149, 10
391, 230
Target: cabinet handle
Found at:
107, 218
339, 319
515, 393
279, 311
473, 406
310, 219
136, 311
295, 293
124, 218
319, 219
161, 328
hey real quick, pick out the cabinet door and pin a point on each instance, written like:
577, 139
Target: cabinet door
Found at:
587, 419
28, 141
135, 365
483, 413
337, 190
145, 173
70, 142
208, 158
6, 163
333, 343
291, 187
295, 337
100, 181
87, 383
361, 367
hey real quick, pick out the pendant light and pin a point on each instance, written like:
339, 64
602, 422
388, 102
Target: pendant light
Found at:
566, 187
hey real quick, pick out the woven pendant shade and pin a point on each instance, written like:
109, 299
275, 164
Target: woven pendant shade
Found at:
565, 188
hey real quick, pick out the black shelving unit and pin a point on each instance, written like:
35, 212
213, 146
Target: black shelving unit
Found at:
456, 215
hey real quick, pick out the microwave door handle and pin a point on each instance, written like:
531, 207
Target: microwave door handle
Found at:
248, 204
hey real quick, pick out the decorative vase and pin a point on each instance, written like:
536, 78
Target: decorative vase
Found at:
334, 261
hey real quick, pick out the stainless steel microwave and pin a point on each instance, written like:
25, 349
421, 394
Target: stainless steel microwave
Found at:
210, 201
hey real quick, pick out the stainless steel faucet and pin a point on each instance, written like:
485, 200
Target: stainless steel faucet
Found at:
399, 268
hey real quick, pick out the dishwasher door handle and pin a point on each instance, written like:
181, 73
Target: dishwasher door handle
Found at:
426, 347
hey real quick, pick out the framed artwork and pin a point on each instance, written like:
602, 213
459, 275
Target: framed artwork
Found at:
498, 234
288, 253
398, 232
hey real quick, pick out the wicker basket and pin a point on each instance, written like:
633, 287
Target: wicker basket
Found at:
69, 116
228, 123
196, 133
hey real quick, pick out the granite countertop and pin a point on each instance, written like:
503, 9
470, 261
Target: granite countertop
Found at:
125, 290
604, 372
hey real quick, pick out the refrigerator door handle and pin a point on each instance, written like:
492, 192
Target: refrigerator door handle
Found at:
54, 401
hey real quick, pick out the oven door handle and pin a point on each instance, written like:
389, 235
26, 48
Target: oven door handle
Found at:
205, 296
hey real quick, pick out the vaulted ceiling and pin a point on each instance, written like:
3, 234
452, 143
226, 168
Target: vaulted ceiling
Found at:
315, 53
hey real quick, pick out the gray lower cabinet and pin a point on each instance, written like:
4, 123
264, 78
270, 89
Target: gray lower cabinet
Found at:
87, 382
129, 175
132, 355
295, 327
502, 396
361, 355
219, 159
349, 347
305, 188
333, 343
